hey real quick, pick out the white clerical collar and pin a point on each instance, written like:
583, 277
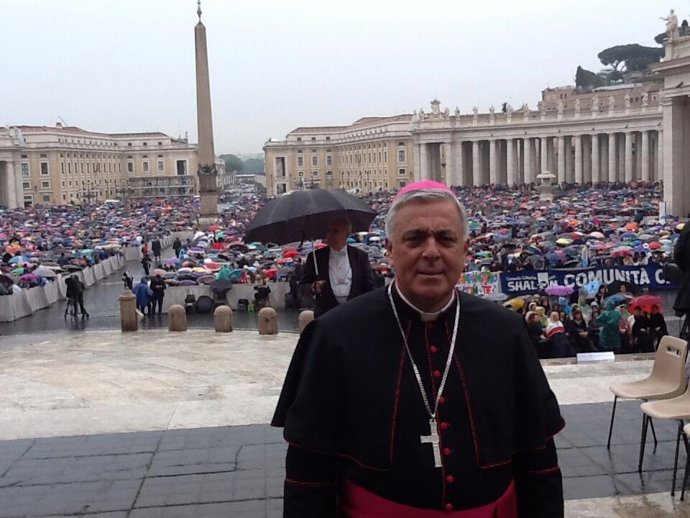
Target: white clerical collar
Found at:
423, 315
342, 251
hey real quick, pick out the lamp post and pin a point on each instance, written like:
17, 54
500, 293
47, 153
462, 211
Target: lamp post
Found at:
88, 193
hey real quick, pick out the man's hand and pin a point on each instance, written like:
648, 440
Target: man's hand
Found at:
318, 287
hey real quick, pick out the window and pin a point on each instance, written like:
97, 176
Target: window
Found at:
160, 143
401, 172
300, 161
26, 185
45, 185
299, 139
25, 169
329, 161
328, 138
314, 160
161, 166
145, 167
315, 173
402, 156
44, 155
301, 173
313, 138
46, 197
25, 156
62, 168
44, 168
129, 144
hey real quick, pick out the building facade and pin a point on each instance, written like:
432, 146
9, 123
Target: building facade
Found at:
63, 165
373, 153
610, 134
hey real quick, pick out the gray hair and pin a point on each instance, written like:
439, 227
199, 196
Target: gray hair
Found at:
425, 196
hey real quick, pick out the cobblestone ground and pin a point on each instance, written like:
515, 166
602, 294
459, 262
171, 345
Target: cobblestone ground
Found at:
238, 471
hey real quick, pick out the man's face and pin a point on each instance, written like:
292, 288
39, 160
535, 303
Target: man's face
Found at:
336, 235
427, 249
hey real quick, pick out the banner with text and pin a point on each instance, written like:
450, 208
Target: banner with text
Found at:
531, 282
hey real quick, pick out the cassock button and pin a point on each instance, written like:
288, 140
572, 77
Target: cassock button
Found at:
433, 349
448, 507
445, 425
450, 479
437, 373
447, 452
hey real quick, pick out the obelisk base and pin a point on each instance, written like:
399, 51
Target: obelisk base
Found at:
209, 205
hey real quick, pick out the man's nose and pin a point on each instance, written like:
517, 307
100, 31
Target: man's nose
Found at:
431, 249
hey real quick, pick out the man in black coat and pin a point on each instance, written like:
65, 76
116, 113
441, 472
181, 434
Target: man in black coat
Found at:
681, 255
341, 272
386, 417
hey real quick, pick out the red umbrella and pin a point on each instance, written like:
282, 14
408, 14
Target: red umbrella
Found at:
290, 253
645, 302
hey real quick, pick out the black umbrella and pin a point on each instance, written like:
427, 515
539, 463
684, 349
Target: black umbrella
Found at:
221, 286
303, 215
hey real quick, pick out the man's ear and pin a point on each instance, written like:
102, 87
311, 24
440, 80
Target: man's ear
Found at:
389, 251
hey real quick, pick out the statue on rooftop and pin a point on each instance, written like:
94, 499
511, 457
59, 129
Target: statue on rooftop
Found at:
671, 25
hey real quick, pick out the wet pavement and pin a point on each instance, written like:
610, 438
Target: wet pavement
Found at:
101, 302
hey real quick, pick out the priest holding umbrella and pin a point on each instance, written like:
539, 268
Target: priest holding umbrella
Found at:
336, 273
417, 400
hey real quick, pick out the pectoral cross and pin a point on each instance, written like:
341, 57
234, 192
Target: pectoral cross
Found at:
433, 439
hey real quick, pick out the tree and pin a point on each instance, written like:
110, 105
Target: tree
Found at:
631, 57
254, 165
588, 80
232, 162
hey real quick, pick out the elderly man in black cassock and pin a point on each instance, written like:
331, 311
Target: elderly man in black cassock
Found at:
417, 400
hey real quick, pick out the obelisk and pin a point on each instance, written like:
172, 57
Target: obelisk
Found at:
207, 172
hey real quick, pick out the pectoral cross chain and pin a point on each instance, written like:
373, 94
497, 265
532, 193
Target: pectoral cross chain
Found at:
435, 442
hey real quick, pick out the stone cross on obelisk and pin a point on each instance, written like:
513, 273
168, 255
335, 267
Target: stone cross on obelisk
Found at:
207, 172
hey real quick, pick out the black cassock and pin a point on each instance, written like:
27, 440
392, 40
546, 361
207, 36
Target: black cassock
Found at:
352, 411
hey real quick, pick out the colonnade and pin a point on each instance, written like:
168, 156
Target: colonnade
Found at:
573, 158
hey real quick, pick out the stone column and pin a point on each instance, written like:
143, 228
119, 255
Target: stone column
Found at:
561, 159
645, 156
476, 165
527, 155
459, 164
596, 170
207, 172
613, 153
15, 194
450, 163
424, 162
660, 150
579, 171
493, 162
417, 162
510, 162
629, 166
544, 152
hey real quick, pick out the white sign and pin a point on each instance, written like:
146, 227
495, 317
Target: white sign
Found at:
605, 356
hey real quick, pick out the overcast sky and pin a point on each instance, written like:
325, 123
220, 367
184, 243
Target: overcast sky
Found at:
128, 65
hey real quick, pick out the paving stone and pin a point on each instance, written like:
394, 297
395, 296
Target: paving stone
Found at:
75, 498
90, 445
77, 469
193, 461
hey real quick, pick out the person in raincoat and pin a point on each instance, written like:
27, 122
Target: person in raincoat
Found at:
144, 296
609, 334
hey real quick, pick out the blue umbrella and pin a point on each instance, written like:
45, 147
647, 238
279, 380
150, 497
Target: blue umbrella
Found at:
616, 300
592, 287
17, 259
